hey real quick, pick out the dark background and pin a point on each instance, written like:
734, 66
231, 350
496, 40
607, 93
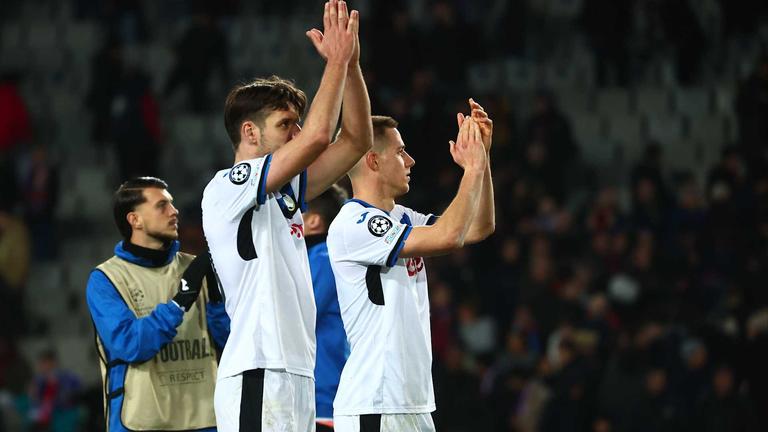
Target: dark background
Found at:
624, 288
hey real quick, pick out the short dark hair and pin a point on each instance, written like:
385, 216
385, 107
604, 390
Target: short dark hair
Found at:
381, 124
129, 195
328, 203
252, 101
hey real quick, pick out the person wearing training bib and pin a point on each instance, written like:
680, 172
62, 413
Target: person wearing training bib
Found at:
376, 249
159, 319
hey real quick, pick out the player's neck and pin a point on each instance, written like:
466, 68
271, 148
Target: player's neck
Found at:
148, 242
247, 152
377, 200
372, 192
243, 156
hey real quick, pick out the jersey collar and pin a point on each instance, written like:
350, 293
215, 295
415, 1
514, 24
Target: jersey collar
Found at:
365, 204
135, 256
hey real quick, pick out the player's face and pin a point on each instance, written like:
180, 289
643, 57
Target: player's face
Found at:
395, 163
159, 218
280, 126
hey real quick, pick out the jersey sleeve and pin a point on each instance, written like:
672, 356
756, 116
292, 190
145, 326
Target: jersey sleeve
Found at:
245, 185
421, 219
371, 237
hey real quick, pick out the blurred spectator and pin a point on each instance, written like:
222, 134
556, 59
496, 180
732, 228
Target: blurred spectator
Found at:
650, 168
656, 410
15, 376
607, 24
477, 332
135, 125
201, 51
567, 409
106, 69
446, 44
54, 396
728, 196
15, 129
14, 270
752, 110
15, 125
502, 282
126, 17
683, 31
457, 395
695, 378
40, 193
441, 318
393, 30
532, 401
549, 145
725, 408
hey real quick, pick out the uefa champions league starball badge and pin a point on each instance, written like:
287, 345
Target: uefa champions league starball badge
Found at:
239, 173
379, 225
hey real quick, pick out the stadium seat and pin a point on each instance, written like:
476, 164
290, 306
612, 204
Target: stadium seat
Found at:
724, 100
626, 131
664, 129
692, 102
12, 35
612, 101
651, 101
44, 36
575, 101
83, 38
484, 78
519, 74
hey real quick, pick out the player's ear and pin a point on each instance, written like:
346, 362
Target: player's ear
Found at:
372, 161
313, 223
134, 220
249, 133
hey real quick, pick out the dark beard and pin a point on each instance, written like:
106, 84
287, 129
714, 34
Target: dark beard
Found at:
166, 239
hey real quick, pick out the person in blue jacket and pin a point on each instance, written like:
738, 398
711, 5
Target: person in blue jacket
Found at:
159, 318
332, 345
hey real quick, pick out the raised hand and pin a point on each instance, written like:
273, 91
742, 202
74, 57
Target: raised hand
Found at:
338, 42
481, 117
468, 150
192, 280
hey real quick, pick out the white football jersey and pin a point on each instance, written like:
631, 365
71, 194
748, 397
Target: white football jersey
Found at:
257, 244
385, 310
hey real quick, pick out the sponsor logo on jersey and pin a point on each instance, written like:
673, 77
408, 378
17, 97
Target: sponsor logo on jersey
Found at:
297, 230
414, 265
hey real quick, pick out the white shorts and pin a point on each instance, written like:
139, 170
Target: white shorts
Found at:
384, 423
265, 400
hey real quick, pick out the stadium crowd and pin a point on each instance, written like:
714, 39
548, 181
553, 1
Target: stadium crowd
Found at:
629, 304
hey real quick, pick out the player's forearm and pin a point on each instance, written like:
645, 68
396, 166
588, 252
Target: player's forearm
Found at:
324, 112
484, 222
356, 110
457, 218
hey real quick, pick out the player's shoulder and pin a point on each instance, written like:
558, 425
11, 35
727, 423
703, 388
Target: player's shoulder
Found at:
401, 209
242, 171
355, 211
236, 175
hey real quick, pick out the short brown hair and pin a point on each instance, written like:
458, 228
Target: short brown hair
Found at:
252, 101
381, 124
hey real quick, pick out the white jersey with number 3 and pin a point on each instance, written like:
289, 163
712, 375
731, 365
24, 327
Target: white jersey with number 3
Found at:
257, 244
385, 310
